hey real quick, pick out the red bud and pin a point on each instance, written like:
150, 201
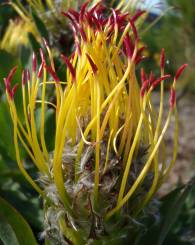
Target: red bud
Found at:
93, 66
93, 9
11, 74
42, 56
140, 50
53, 73
144, 87
151, 78
138, 59
180, 71
128, 46
69, 65
137, 15
75, 14
14, 90
83, 35
133, 29
83, 9
7, 85
70, 17
97, 23
159, 80
162, 59
78, 47
24, 77
40, 72
10, 91
28, 74
143, 75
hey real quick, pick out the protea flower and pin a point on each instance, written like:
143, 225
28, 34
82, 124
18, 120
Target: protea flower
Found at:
109, 156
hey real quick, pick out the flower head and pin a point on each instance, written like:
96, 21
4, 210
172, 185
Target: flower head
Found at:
104, 117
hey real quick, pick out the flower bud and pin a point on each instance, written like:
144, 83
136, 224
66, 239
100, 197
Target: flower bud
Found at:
180, 71
93, 66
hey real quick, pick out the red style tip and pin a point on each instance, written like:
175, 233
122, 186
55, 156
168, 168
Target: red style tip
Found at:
78, 47
151, 78
159, 80
71, 18
133, 29
34, 62
140, 50
71, 56
70, 67
144, 88
42, 55
162, 59
172, 98
83, 35
143, 75
65, 14
180, 71
75, 14
11, 74
89, 19
28, 74
10, 91
95, 7
97, 23
40, 72
128, 46
139, 59
82, 11
7, 87
24, 77
14, 90
137, 15
92, 64
53, 74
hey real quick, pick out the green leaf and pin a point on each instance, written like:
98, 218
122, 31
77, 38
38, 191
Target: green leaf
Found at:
160, 230
174, 211
15, 226
7, 234
27, 204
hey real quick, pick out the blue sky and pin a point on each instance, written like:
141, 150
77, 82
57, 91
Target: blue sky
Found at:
154, 5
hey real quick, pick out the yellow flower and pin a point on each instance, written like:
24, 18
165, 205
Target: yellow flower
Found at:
101, 107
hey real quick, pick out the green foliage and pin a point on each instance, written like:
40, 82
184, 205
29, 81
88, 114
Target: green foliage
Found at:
13, 228
167, 225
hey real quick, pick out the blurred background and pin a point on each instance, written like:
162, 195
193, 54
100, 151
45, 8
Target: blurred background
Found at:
170, 24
